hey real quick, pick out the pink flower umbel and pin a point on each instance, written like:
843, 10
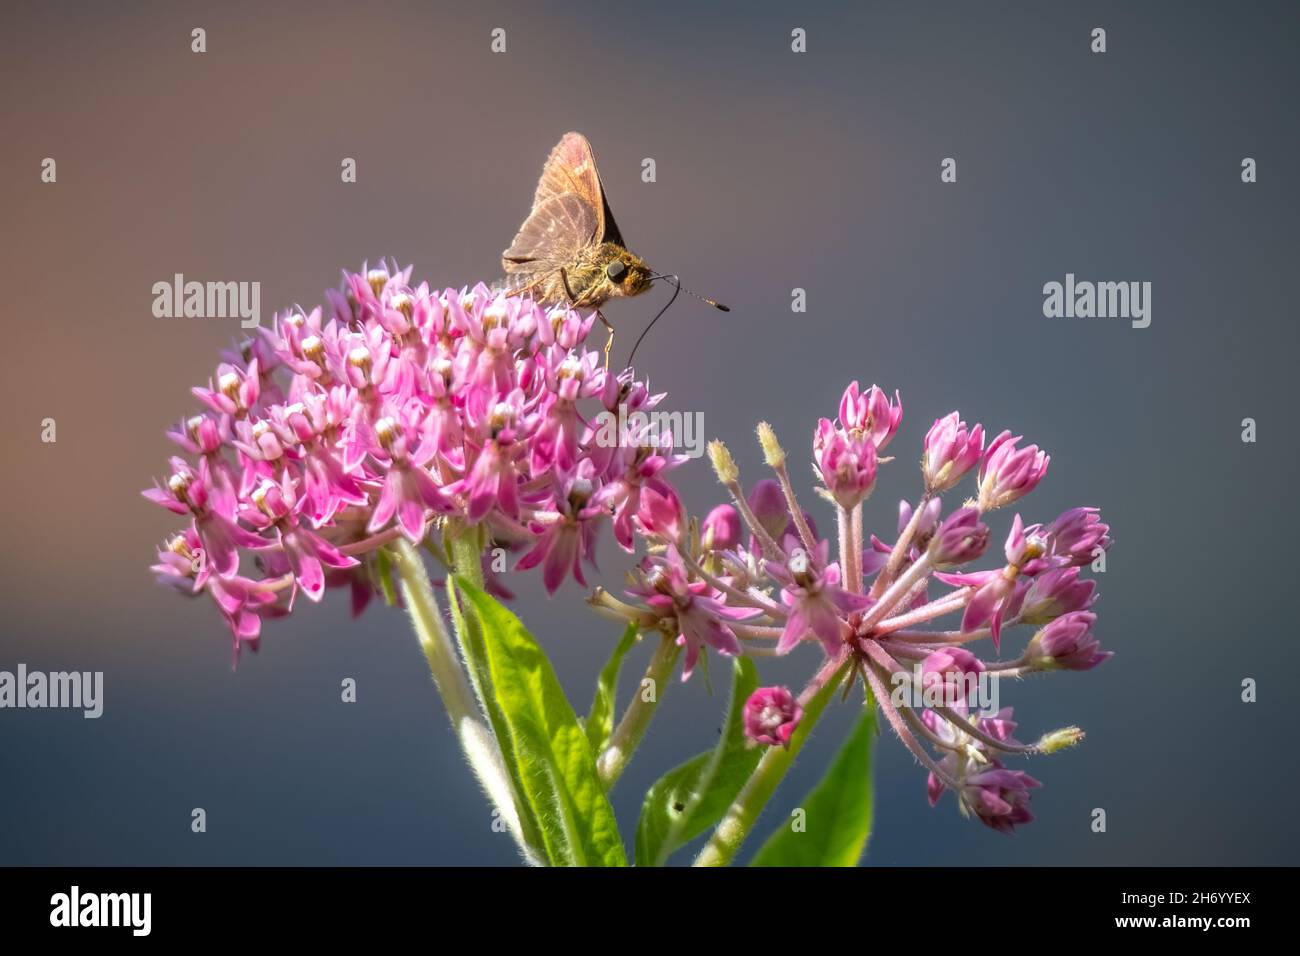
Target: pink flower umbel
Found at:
395, 409
873, 612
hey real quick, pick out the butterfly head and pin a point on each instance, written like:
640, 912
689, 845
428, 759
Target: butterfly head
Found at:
625, 274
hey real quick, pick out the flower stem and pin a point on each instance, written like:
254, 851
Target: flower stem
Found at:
796, 513
767, 544
928, 612
753, 599
630, 730
886, 575
850, 534
897, 591
872, 671
762, 783
467, 562
475, 737
844, 546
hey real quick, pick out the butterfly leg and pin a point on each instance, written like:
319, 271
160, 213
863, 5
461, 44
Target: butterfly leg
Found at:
609, 343
573, 303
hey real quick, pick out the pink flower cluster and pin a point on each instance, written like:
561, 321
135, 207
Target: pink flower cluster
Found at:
754, 577
337, 430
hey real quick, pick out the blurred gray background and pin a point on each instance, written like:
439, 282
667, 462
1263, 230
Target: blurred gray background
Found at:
775, 170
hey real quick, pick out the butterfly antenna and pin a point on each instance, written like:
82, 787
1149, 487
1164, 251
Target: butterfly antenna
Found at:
678, 288
678, 282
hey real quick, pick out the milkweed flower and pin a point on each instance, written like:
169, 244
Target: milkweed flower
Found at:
688, 606
986, 789
810, 589
871, 609
394, 408
870, 414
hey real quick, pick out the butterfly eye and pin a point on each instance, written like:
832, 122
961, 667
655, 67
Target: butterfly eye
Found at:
616, 270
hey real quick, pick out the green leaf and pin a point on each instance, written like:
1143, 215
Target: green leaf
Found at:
690, 798
469, 635
600, 719
544, 745
837, 813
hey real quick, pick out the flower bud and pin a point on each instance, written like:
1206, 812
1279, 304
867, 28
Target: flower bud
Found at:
767, 501
771, 716
848, 468
1076, 535
1067, 644
1009, 473
721, 529
950, 451
1056, 592
962, 537
948, 664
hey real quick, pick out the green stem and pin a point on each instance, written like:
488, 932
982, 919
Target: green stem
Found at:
466, 556
467, 721
630, 730
762, 783
466, 552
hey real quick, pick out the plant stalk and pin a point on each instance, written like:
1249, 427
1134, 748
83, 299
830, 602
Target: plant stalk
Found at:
476, 739
636, 719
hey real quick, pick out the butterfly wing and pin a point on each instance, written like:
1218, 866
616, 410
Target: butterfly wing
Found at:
553, 234
569, 212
